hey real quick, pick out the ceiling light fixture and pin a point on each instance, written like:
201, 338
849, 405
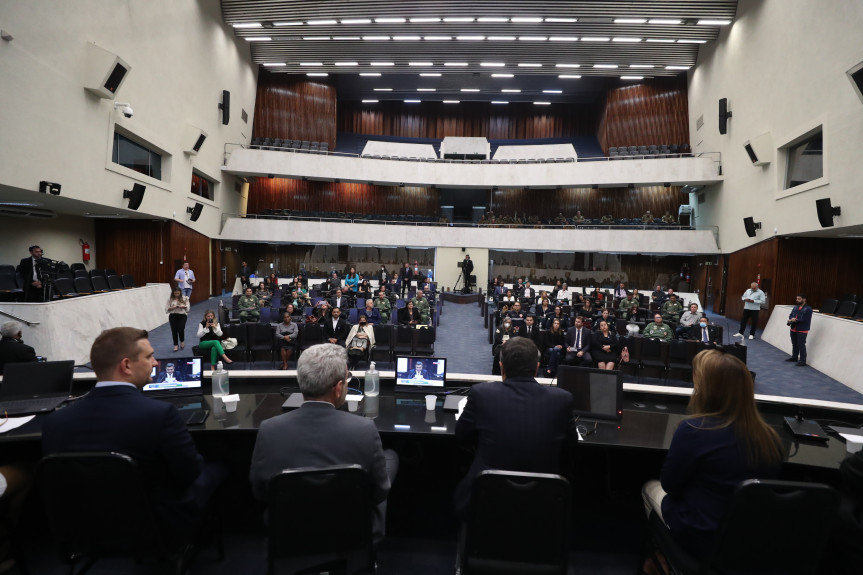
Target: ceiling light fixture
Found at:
688, 41
562, 20
451, 101
567, 65
437, 38
376, 37
678, 67
346, 38
626, 39
382, 64
455, 64
532, 38
552, 91
470, 38
390, 20
563, 38
664, 21
503, 75
714, 22
322, 22
287, 23
630, 20
470, 89
383, 89
408, 38
511, 91
492, 64
347, 63
431, 75
274, 64
605, 66
542, 103
424, 20
247, 25
370, 101
262, 39
357, 21
499, 102
370, 74
311, 63
458, 19
492, 19
595, 39
641, 66
632, 77
412, 101
568, 76
501, 38
529, 65
426, 90
660, 40
420, 63
526, 20
313, 38
317, 74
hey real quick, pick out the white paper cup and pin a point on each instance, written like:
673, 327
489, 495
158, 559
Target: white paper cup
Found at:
353, 405
231, 406
431, 400
853, 445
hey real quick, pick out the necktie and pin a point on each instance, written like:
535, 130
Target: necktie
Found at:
528, 332
578, 340
704, 334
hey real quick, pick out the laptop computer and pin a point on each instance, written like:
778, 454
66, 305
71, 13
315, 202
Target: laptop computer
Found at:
35, 387
178, 381
596, 393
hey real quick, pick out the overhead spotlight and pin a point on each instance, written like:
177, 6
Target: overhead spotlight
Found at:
271, 176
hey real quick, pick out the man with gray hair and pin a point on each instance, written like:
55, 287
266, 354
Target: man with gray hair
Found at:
318, 434
12, 349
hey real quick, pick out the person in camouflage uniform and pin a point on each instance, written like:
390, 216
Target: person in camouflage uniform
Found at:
658, 330
422, 306
384, 306
672, 309
249, 306
625, 304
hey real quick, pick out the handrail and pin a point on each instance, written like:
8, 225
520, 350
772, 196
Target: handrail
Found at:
21, 319
716, 156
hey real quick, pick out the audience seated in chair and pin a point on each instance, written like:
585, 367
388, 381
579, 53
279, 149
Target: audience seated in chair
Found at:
249, 306
688, 319
287, 335
658, 330
360, 341
335, 328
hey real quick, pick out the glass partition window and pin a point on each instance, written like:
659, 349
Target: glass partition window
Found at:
135, 156
203, 187
805, 161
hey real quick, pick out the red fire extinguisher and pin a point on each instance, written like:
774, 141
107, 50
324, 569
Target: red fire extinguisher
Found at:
85, 250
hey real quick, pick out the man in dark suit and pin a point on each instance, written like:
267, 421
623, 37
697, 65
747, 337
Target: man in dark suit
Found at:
245, 272
704, 332
530, 330
518, 424
578, 340
12, 349
170, 375
30, 272
466, 270
419, 371
114, 416
335, 327
407, 274
319, 435
340, 301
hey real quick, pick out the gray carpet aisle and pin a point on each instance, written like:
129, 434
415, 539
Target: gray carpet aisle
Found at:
461, 338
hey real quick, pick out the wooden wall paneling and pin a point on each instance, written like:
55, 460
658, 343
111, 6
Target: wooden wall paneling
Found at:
743, 268
135, 247
650, 112
468, 119
356, 198
184, 241
619, 202
820, 267
288, 106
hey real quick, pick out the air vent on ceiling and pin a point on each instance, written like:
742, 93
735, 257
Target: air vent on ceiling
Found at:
699, 122
25, 212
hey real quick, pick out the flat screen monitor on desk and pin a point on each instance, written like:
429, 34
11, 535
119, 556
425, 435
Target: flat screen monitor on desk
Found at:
596, 393
175, 375
420, 372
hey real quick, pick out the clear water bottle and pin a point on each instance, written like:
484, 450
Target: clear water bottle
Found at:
372, 383
221, 385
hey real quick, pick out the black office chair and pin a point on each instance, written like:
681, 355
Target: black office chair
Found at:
262, 338
653, 355
772, 528
97, 506
320, 519
518, 524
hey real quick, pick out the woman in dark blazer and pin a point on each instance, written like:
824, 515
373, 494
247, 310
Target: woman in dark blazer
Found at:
408, 315
554, 345
604, 346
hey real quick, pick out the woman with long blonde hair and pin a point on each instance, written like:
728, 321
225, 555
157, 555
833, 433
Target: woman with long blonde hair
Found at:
722, 442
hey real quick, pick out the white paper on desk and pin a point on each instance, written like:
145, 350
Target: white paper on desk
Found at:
15, 422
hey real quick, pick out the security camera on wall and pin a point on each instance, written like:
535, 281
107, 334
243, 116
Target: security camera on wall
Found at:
125, 108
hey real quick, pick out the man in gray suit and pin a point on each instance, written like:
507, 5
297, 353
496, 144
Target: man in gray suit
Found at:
318, 434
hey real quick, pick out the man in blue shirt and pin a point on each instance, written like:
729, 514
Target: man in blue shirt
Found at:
752, 298
799, 321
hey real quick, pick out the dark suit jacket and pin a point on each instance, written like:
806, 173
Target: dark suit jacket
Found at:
535, 334
586, 338
340, 332
345, 303
518, 424
318, 435
119, 418
694, 332
405, 317
25, 270
13, 351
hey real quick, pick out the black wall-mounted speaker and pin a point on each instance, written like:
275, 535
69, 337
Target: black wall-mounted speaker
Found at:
752, 155
49, 188
195, 211
724, 114
135, 196
751, 225
199, 142
826, 212
225, 107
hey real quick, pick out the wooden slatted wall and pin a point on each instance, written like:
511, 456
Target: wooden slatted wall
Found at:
296, 108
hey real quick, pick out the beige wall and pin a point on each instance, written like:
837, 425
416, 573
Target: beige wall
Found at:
58, 238
446, 272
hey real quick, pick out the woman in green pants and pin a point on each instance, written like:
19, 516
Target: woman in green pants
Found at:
210, 334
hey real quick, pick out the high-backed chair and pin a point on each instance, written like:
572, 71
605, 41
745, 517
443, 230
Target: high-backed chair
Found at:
518, 524
100, 285
64, 288
97, 507
384, 338
320, 519
828, 305
653, 355
262, 338
425, 341
404, 340
115, 283
772, 527
846, 309
83, 286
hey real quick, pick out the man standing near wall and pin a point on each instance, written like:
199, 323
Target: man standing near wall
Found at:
466, 270
185, 278
799, 321
752, 300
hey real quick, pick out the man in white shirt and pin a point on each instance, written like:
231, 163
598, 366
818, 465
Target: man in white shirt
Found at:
185, 278
752, 300
688, 319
